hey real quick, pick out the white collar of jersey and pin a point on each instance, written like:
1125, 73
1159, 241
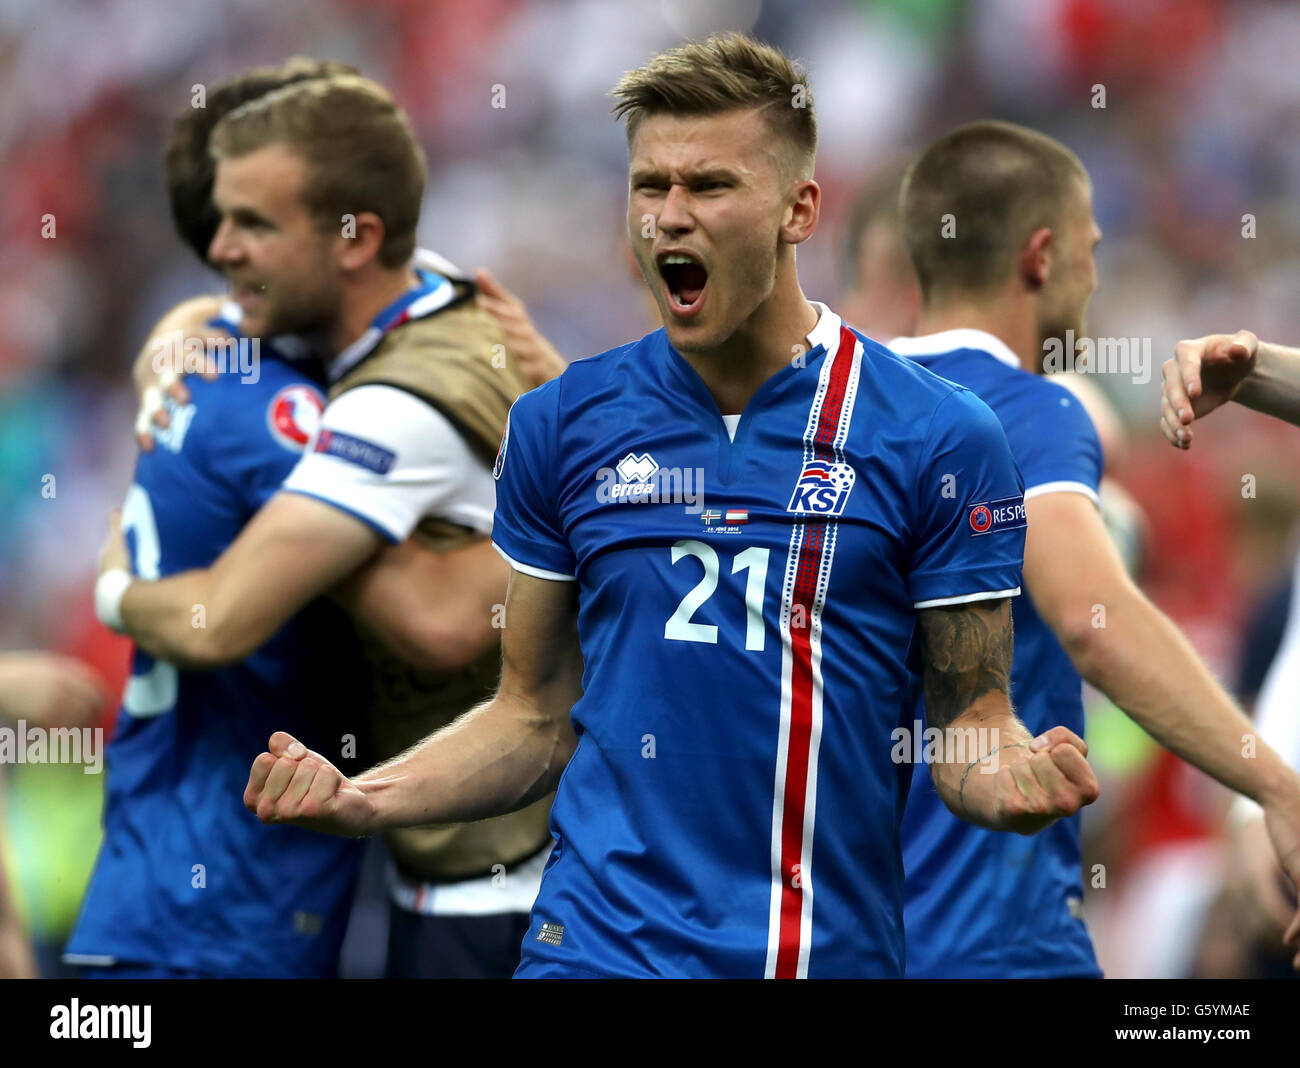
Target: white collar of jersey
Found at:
827, 331
437, 297
431, 261
292, 347
948, 340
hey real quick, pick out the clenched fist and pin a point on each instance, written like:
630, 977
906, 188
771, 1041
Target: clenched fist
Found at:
291, 784
1034, 786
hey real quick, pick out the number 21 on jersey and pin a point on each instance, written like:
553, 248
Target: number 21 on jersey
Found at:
753, 560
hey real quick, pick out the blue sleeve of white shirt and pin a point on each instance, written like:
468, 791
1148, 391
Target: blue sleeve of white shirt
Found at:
526, 528
969, 518
1054, 441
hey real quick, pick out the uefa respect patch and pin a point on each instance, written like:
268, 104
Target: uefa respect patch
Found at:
355, 450
1005, 514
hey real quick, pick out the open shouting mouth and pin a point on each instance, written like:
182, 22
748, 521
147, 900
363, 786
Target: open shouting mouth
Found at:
686, 280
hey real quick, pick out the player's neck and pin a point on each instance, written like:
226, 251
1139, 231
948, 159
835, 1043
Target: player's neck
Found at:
365, 298
1009, 321
764, 344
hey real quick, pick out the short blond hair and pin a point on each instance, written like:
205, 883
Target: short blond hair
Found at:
360, 152
726, 72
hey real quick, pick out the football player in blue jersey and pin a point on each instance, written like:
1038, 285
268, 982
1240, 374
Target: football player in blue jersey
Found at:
738, 546
1004, 288
185, 883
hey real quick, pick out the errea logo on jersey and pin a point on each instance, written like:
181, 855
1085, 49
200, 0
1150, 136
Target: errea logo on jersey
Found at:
634, 468
638, 479
823, 488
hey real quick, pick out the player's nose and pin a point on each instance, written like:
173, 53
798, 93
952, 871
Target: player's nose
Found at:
221, 249
675, 215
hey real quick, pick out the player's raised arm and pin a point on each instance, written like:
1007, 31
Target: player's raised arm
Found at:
998, 776
1127, 648
1208, 372
503, 755
434, 610
293, 549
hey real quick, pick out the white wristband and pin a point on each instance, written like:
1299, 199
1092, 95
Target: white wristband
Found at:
110, 588
151, 400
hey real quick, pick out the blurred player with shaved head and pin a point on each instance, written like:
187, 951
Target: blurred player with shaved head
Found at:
1006, 284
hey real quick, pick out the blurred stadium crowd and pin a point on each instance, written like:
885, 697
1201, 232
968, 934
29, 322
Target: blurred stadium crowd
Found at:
1196, 145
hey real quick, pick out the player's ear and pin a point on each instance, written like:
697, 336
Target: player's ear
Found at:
361, 237
802, 212
1036, 258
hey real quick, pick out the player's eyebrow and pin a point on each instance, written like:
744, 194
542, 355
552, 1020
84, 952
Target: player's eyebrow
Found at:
688, 176
244, 216
711, 174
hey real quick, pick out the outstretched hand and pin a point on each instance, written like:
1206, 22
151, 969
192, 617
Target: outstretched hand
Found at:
1204, 374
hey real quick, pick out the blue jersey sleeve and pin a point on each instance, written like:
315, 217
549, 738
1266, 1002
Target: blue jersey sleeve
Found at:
970, 510
526, 527
1053, 439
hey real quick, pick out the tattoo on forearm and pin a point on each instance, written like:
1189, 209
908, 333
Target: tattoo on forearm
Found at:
966, 650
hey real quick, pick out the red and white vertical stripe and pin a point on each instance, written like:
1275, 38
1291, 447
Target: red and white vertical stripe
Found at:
808, 568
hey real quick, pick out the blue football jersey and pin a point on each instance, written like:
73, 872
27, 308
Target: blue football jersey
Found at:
187, 876
747, 617
982, 904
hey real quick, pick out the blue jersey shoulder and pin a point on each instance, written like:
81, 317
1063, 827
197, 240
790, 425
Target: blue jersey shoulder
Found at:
1050, 432
919, 392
